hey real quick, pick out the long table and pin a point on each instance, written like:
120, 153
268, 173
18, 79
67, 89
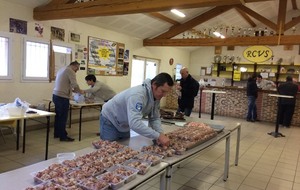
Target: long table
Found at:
22, 178
162, 170
137, 142
25, 117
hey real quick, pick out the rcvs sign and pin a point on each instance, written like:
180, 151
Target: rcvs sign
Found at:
257, 54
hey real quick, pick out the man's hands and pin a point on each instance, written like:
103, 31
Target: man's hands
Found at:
163, 140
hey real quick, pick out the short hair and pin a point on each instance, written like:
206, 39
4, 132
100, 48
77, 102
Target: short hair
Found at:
90, 77
74, 63
289, 78
259, 76
162, 78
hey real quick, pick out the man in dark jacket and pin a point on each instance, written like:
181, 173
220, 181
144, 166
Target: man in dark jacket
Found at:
252, 95
188, 88
286, 106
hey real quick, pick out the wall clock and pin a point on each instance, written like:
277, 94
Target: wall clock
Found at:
171, 61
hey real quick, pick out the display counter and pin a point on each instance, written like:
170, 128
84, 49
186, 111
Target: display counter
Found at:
235, 104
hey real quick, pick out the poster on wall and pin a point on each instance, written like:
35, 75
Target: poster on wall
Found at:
57, 34
103, 56
81, 55
17, 26
74, 37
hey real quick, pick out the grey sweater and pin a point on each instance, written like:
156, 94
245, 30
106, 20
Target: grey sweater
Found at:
65, 82
126, 110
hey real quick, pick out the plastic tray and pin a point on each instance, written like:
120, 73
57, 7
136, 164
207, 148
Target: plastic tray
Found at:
54, 170
141, 165
150, 157
46, 185
127, 172
93, 184
108, 176
65, 156
66, 182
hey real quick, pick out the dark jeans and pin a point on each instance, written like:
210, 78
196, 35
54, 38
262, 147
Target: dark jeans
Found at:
285, 113
252, 115
109, 132
61, 110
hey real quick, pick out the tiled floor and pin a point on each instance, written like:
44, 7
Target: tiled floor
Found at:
265, 162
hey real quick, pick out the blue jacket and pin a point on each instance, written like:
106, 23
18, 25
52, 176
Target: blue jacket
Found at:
126, 110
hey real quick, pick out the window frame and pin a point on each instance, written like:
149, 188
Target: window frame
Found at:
34, 79
9, 60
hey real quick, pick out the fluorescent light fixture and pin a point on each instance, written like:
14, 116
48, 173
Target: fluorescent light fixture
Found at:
178, 13
218, 35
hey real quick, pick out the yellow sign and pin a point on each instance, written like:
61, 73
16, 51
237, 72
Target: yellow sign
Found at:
257, 54
104, 53
237, 76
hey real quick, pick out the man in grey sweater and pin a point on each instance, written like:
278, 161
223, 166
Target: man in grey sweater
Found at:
99, 91
126, 110
65, 84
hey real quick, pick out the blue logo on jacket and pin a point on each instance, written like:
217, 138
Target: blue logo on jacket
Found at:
139, 106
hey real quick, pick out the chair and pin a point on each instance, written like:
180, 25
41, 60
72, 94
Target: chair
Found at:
4, 125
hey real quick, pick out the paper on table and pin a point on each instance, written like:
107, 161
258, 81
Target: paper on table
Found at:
180, 124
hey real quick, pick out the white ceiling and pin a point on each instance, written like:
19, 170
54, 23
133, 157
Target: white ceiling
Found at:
144, 26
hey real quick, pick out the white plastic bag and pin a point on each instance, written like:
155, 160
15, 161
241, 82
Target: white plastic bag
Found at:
79, 98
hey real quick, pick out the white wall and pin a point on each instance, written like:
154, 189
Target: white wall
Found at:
36, 92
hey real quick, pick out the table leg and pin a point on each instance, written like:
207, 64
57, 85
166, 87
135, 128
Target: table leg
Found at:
237, 146
70, 116
47, 137
276, 132
168, 177
163, 181
49, 106
213, 106
200, 102
227, 152
24, 135
80, 117
18, 135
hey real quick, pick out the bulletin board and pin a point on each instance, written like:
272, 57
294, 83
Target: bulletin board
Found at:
105, 57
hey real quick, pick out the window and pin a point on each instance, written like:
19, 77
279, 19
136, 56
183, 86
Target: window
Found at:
36, 60
177, 72
143, 68
5, 56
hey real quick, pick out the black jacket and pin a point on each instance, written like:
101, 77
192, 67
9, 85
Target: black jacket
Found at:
290, 89
252, 87
189, 91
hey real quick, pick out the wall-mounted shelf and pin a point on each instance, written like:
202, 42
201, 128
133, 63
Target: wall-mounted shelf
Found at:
226, 70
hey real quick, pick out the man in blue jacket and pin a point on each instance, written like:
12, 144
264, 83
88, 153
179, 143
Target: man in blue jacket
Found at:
126, 110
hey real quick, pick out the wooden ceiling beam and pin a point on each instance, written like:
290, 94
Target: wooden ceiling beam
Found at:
246, 17
294, 4
164, 18
236, 41
292, 23
281, 17
257, 16
175, 30
118, 7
